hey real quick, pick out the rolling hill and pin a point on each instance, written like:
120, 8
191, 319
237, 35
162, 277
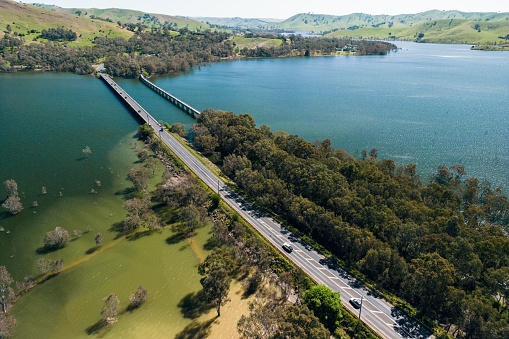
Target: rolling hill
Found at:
431, 26
28, 21
132, 16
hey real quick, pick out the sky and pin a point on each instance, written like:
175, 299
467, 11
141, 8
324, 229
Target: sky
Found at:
283, 9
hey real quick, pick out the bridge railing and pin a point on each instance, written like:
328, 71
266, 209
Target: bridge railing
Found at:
174, 100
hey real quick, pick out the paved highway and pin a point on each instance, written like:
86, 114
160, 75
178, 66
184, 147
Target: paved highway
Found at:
378, 314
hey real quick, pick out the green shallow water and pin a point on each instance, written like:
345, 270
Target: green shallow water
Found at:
46, 119
67, 305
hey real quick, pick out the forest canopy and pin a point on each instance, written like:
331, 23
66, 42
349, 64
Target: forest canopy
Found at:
441, 244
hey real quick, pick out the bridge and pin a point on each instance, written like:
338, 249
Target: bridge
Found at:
171, 98
128, 100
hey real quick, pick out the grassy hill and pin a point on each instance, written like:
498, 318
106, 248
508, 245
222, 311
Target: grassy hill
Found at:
28, 21
133, 17
432, 26
240, 22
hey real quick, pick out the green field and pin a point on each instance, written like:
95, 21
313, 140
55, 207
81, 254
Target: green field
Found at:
242, 42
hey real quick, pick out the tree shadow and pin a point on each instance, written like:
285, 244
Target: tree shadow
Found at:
95, 328
92, 250
196, 330
211, 243
176, 238
253, 284
130, 308
126, 191
138, 235
118, 228
45, 250
166, 213
194, 305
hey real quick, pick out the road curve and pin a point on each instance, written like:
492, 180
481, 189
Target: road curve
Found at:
378, 314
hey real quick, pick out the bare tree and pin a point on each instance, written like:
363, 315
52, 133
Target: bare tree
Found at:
13, 202
98, 239
110, 309
87, 151
5, 283
139, 297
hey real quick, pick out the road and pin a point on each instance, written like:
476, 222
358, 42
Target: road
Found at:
378, 314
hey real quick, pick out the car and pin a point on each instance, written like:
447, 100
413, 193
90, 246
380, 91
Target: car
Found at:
287, 247
356, 302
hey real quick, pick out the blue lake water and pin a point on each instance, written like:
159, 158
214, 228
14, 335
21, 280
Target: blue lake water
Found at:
426, 104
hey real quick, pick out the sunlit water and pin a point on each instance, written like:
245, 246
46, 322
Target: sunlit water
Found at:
426, 104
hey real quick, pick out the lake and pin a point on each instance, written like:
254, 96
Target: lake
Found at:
426, 104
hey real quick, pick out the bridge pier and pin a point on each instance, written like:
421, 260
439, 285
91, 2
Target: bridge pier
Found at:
174, 100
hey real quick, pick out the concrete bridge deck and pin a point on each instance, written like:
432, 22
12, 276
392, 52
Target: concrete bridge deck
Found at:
171, 98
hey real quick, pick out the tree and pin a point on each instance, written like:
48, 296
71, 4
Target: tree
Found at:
300, 322
179, 129
98, 239
13, 202
216, 285
191, 218
428, 283
87, 151
110, 309
7, 325
275, 320
139, 177
58, 238
325, 304
139, 297
5, 283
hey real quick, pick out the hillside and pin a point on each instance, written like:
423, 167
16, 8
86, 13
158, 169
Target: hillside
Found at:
241, 22
432, 26
131, 16
28, 21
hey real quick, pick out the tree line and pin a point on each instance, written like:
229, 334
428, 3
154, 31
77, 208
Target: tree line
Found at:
159, 51
440, 244
296, 45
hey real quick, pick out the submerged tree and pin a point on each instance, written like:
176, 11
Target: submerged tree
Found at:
13, 202
110, 309
216, 285
5, 283
58, 238
98, 239
87, 151
7, 325
139, 297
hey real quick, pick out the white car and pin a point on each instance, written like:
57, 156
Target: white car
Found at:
356, 302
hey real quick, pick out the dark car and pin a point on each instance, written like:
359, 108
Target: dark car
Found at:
287, 247
356, 302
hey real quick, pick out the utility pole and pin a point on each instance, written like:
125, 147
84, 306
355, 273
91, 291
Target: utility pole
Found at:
218, 188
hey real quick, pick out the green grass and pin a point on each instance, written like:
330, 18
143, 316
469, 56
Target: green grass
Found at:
23, 18
134, 17
439, 31
250, 43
